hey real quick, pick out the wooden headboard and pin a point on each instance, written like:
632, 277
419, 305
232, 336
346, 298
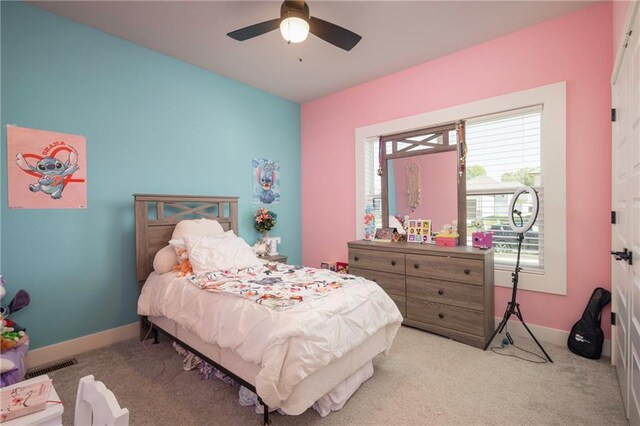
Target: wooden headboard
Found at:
157, 215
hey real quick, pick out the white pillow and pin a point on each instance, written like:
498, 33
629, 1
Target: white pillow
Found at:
215, 253
164, 260
196, 227
179, 244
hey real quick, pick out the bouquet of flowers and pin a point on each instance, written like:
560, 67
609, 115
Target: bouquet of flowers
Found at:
265, 220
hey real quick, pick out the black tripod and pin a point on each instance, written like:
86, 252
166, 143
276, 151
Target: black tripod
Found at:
513, 308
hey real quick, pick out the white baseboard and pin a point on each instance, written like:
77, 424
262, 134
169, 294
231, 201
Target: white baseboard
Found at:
546, 335
69, 348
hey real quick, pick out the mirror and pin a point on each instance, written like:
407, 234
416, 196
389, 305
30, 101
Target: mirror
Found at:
421, 179
438, 185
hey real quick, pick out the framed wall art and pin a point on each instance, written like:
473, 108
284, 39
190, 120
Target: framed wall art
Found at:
46, 170
266, 181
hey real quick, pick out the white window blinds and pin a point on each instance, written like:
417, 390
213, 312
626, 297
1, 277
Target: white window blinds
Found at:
504, 153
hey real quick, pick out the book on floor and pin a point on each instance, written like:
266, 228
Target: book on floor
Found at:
19, 400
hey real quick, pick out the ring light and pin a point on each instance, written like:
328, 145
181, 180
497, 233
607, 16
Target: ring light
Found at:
534, 211
513, 307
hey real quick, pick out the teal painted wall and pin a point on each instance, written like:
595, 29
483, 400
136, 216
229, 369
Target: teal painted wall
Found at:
153, 125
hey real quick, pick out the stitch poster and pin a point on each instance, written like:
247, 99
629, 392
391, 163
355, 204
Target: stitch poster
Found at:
266, 181
46, 170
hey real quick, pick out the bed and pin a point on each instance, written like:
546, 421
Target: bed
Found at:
290, 356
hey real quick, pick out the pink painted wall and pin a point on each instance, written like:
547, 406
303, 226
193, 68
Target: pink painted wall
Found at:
576, 48
438, 188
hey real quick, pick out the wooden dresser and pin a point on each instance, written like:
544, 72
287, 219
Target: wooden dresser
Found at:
445, 290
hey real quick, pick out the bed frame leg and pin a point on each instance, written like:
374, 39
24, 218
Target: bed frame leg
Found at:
265, 407
155, 336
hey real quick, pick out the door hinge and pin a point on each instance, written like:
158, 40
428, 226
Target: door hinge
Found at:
613, 318
613, 115
613, 217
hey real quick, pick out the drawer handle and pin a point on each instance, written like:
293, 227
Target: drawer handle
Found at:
440, 292
375, 280
356, 258
440, 316
393, 263
467, 271
416, 265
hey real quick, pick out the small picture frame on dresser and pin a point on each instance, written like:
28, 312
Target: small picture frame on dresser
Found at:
419, 231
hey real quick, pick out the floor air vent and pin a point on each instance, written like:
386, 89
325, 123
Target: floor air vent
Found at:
51, 368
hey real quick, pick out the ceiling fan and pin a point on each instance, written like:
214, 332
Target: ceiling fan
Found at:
295, 24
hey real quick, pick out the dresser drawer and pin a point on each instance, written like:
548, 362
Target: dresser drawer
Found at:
447, 268
391, 283
464, 295
386, 261
446, 316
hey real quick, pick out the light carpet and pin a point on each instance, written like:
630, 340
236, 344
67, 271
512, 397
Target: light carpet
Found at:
426, 379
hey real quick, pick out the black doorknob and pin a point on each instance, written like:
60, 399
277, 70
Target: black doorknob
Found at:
626, 255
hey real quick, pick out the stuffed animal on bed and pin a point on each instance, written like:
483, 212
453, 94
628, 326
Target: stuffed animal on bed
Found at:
184, 267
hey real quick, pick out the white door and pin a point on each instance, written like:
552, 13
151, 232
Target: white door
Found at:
626, 231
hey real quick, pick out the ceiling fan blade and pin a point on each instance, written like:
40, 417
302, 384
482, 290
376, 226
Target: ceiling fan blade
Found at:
334, 34
254, 30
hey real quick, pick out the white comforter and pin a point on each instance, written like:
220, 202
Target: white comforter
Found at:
291, 344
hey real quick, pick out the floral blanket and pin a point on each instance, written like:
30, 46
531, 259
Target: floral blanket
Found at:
275, 285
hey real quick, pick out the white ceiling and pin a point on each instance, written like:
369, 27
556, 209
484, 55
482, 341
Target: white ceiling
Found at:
395, 36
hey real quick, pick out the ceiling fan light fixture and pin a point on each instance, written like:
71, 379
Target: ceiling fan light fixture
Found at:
296, 23
294, 29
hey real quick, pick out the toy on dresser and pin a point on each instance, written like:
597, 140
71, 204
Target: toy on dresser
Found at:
481, 239
448, 235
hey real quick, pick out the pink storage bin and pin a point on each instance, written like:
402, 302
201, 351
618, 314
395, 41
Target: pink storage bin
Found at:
446, 241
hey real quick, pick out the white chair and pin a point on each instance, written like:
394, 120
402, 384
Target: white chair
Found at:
96, 405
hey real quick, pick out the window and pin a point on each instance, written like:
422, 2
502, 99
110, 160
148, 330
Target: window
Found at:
504, 154
372, 186
537, 114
